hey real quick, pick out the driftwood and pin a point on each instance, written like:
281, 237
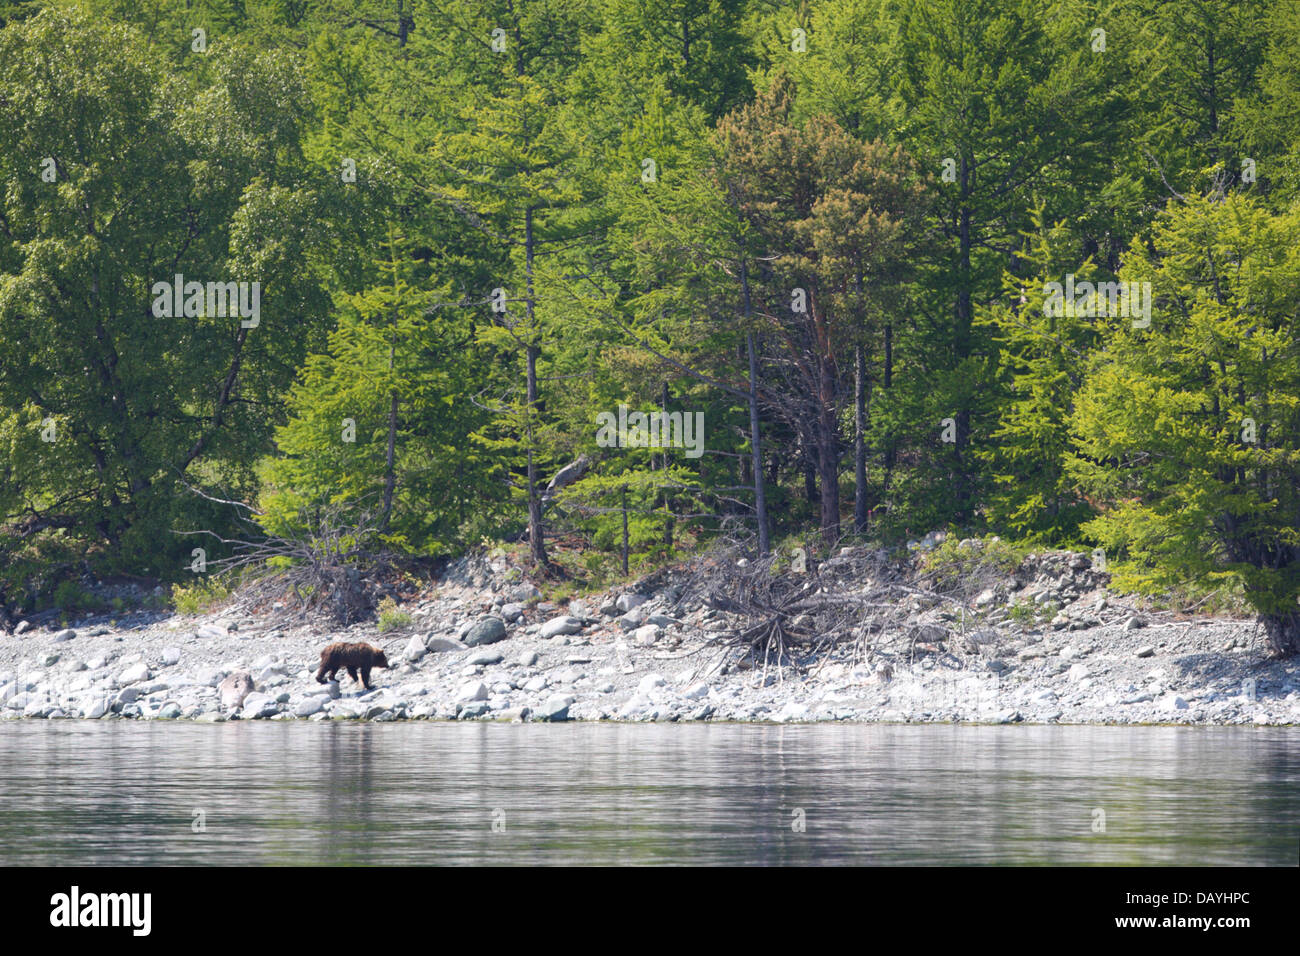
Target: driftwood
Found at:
318, 571
786, 609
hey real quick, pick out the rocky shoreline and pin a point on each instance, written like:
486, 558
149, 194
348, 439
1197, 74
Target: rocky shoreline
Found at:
1048, 644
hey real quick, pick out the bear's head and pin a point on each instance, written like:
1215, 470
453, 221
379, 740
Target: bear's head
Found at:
380, 659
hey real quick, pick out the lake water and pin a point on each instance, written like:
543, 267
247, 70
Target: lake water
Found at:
118, 792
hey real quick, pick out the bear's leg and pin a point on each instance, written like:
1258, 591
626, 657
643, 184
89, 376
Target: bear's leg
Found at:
352, 672
320, 675
365, 677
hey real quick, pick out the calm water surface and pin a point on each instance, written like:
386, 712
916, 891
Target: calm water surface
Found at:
428, 793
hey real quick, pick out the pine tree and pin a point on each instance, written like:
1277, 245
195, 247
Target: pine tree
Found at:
1189, 430
1042, 353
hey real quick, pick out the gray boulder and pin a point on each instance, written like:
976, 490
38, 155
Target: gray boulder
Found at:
560, 625
434, 644
257, 705
310, 705
487, 631
628, 601
556, 708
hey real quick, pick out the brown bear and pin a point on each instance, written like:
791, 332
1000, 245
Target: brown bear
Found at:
353, 657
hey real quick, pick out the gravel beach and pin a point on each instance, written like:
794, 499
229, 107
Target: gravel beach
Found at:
483, 645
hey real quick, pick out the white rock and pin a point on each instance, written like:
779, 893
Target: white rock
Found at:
258, 705
528, 658
171, 656
472, 691
792, 711
696, 691
134, 674
535, 684
646, 634
649, 683
638, 705
65, 635
310, 705
1077, 672
414, 650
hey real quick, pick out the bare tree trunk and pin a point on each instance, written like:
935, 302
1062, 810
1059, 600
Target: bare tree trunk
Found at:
888, 382
964, 482
404, 23
755, 439
756, 448
859, 440
1283, 632
828, 474
666, 493
625, 541
390, 458
536, 542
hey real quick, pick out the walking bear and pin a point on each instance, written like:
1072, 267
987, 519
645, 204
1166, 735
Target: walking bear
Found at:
353, 658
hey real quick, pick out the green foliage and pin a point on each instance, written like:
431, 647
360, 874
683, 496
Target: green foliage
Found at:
647, 186
951, 563
1024, 613
1041, 368
199, 598
70, 596
390, 618
1188, 430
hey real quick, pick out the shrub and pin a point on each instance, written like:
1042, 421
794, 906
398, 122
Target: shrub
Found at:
390, 618
198, 598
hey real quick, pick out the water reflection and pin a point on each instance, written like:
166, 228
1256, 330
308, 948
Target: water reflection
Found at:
390, 794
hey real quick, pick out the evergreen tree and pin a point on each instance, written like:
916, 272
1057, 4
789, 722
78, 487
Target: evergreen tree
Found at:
1189, 430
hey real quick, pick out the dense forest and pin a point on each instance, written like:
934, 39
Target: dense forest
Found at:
554, 272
